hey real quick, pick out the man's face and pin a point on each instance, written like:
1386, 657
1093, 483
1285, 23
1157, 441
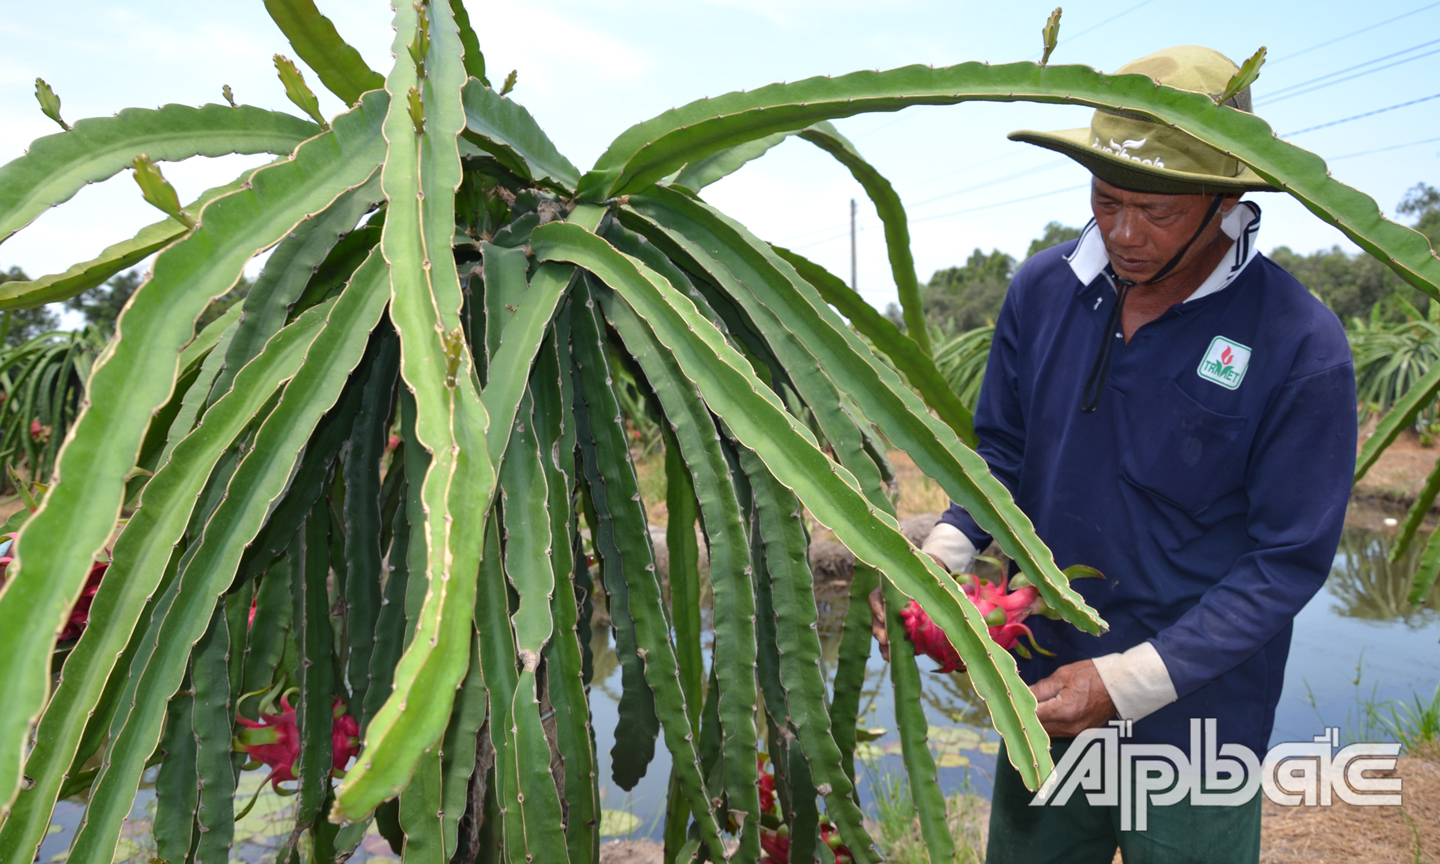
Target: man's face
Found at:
1144, 230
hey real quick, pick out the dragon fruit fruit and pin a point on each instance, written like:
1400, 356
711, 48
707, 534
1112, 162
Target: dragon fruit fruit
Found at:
776, 845
274, 740
767, 790
1004, 612
830, 836
80, 612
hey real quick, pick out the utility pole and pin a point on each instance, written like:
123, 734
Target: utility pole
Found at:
852, 246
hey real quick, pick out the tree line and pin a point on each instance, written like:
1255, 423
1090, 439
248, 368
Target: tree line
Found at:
99, 306
1354, 286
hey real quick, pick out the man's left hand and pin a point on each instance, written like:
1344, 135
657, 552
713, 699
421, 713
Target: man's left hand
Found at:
1072, 700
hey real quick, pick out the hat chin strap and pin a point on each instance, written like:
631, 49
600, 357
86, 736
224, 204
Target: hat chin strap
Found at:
1095, 384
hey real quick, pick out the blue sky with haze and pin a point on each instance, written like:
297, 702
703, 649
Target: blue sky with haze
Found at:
587, 71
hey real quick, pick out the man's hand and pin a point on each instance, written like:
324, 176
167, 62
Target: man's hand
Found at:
1072, 700
877, 616
877, 623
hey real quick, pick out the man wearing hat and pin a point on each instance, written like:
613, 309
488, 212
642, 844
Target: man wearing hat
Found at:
1170, 407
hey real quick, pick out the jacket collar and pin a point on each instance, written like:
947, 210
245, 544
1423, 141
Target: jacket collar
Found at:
1088, 259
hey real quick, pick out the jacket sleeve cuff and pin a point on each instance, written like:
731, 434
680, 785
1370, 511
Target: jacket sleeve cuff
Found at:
1138, 682
952, 547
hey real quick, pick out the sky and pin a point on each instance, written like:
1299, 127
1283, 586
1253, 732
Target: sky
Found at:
588, 71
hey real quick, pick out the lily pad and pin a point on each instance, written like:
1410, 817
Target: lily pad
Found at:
616, 822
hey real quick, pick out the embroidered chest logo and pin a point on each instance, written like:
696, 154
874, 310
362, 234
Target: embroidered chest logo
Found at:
1225, 363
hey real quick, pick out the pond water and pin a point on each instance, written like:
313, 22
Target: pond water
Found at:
1359, 619
1357, 643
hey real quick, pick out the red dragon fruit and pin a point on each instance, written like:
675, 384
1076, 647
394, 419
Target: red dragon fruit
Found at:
767, 790
929, 640
274, 740
776, 843
830, 836
344, 737
80, 612
1004, 612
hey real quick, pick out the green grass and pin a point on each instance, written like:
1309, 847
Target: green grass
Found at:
1416, 726
891, 820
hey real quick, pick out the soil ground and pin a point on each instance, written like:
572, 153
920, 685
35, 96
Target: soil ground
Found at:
1398, 475
1361, 835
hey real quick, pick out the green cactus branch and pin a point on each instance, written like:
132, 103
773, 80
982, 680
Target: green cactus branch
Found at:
651, 150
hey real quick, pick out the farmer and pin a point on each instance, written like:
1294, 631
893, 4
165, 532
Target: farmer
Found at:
1170, 407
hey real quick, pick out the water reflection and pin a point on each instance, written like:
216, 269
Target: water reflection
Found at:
1367, 586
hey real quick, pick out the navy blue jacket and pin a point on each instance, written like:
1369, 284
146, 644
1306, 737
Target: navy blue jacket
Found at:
1213, 512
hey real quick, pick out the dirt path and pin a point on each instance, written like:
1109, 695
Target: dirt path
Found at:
1360, 835
1398, 475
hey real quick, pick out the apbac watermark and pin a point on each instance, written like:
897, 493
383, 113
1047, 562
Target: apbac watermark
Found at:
1112, 772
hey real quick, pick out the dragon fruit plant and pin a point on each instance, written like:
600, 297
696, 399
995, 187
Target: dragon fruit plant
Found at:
441, 273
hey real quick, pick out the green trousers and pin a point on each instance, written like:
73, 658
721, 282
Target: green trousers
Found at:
1078, 833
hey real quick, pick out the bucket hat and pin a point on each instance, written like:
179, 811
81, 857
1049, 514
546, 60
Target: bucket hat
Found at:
1136, 153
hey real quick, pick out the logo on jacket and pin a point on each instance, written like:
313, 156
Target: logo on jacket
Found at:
1225, 363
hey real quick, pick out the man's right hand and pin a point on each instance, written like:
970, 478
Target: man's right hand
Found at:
877, 615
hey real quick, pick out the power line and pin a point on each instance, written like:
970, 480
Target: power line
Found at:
1359, 116
967, 169
1115, 17
911, 206
1353, 68
1000, 204
1287, 95
1382, 149
798, 246
1024, 173
1353, 33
